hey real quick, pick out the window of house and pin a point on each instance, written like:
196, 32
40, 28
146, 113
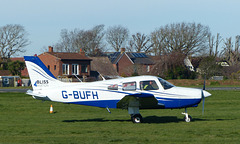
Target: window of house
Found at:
75, 69
55, 67
113, 87
84, 68
130, 86
65, 69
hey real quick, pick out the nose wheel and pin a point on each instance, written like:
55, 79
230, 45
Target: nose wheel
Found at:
187, 117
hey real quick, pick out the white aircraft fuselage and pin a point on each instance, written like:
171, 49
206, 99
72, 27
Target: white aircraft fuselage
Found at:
132, 93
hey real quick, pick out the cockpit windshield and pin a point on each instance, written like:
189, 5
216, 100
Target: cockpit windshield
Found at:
165, 84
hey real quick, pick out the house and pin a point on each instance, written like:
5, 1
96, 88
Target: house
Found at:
103, 66
66, 65
130, 63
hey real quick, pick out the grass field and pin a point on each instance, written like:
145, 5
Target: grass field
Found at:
26, 120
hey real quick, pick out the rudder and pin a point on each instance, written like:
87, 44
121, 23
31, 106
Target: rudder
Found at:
39, 74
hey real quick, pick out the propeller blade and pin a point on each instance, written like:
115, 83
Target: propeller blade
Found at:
203, 102
204, 83
203, 97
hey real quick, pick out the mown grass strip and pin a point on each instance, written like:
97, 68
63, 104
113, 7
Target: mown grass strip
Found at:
26, 120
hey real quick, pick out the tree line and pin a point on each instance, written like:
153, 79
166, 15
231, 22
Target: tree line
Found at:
170, 43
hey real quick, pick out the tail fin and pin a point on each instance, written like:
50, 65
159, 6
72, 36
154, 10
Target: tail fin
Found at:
39, 74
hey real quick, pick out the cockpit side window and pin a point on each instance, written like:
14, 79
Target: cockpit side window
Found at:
165, 84
129, 86
149, 85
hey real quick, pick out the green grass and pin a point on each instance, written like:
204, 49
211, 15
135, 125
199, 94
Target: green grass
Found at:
26, 120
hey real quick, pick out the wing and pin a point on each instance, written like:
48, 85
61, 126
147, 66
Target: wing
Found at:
143, 100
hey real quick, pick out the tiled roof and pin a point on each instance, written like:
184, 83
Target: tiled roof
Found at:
17, 58
5, 73
103, 66
69, 56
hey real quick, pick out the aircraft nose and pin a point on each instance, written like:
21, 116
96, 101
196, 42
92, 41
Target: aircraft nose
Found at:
206, 94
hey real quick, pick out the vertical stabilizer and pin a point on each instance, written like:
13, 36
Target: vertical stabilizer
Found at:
39, 74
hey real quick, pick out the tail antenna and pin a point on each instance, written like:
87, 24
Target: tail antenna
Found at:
101, 76
78, 78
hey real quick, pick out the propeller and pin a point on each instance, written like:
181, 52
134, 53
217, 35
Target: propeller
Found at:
203, 97
203, 101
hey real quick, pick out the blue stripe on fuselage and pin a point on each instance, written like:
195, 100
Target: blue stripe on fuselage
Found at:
178, 103
98, 103
168, 103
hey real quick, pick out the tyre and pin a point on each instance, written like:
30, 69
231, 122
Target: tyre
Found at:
136, 118
188, 119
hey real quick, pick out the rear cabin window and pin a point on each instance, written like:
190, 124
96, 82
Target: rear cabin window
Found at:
113, 87
149, 85
130, 86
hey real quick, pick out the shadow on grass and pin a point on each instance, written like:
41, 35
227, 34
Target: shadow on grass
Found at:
166, 119
93, 120
149, 119
163, 119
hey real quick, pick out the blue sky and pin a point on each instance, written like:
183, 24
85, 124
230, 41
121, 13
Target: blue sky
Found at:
44, 19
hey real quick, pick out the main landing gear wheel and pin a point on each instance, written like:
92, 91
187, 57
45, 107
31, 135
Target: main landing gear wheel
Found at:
136, 118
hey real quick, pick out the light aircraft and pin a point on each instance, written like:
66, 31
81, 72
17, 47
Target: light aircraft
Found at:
132, 93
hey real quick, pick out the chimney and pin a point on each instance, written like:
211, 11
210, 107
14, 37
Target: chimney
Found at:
82, 52
50, 49
122, 50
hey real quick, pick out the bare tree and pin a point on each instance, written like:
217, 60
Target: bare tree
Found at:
67, 40
95, 40
186, 38
117, 37
237, 40
214, 43
157, 38
12, 40
88, 40
230, 54
141, 43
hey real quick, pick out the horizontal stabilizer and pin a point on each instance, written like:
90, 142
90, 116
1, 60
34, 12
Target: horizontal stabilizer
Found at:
38, 96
